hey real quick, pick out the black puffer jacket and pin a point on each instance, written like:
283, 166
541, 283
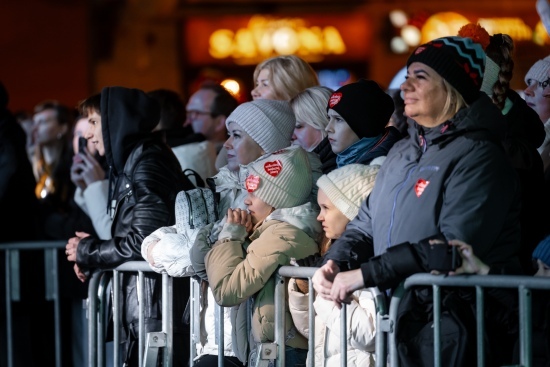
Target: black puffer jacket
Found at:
145, 178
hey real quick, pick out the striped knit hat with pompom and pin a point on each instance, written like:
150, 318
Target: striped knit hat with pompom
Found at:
348, 186
460, 61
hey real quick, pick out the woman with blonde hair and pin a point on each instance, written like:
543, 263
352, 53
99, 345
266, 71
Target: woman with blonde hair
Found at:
309, 106
282, 77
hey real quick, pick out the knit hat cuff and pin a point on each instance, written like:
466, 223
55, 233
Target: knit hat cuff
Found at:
340, 201
539, 71
542, 251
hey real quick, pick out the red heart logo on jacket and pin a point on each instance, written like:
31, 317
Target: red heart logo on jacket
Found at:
420, 186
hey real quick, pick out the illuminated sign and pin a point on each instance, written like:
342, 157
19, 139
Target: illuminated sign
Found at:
249, 40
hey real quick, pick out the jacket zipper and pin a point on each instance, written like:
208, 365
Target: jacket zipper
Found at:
115, 204
191, 225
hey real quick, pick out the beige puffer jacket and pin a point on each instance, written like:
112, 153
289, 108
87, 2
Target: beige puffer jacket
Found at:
236, 274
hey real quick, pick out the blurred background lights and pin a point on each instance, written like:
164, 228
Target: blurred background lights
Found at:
398, 45
398, 18
411, 35
232, 86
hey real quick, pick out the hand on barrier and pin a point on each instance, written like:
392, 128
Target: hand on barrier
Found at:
345, 283
323, 278
72, 245
81, 275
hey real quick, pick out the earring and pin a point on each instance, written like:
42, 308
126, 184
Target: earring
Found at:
59, 136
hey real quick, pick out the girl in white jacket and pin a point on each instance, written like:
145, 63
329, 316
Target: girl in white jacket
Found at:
340, 195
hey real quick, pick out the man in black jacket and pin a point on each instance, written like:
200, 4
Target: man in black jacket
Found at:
144, 179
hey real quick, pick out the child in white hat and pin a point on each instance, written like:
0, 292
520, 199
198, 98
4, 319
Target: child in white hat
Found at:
340, 195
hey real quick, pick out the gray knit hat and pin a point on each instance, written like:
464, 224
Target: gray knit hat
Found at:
540, 71
282, 179
270, 123
348, 186
542, 251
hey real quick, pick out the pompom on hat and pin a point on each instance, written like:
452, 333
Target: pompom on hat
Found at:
269, 123
282, 179
540, 71
365, 107
458, 60
348, 186
542, 251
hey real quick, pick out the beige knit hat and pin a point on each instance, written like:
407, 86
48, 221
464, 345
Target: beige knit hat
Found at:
348, 186
282, 179
270, 123
540, 71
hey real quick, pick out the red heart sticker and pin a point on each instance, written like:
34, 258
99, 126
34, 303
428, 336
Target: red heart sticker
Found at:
252, 183
273, 168
419, 50
420, 186
334, 99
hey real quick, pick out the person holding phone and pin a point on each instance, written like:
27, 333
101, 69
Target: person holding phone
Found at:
88, 173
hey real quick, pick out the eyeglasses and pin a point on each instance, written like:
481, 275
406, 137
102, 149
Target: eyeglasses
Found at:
542, 85
193, 114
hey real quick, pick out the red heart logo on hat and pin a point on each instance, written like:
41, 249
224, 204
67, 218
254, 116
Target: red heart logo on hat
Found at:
252, 183
334, 99
273, 168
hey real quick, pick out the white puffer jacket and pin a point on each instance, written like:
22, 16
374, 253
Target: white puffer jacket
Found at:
361, 327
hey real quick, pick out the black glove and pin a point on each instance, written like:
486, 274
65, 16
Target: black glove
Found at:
314, 260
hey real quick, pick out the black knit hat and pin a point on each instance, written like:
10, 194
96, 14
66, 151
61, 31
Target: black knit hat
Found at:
460, 61
365, 107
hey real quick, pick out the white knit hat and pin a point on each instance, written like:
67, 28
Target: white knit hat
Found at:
270, 123
540, 71
282, 179
348, 186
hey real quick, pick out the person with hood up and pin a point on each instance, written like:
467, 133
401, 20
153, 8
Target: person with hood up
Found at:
278, 225
144, 179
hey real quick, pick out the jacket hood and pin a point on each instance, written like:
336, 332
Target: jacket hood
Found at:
482, 117
127, 117
303, 217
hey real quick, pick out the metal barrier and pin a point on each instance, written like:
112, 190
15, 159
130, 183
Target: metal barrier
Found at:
524, 285
13, 289
280, 308
148, 349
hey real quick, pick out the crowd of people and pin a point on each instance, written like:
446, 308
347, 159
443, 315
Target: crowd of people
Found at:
369, 185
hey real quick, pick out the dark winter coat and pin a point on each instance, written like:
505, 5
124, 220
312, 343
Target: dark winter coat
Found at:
145, 178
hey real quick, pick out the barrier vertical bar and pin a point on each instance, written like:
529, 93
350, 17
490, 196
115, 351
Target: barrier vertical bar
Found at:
141, 322
167, 316
56, 301
92, 319
480, 328
525, 336
220, 311
343, 336
9, 332
280, 326
116, 317
437, 325
103, 320
311, 324
195, 324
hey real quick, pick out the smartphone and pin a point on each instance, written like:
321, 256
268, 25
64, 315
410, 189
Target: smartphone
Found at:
443, 257
82, 144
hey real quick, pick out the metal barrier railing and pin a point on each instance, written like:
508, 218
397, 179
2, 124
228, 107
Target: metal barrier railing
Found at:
148, 349
524, 285
280, 309
13, 286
